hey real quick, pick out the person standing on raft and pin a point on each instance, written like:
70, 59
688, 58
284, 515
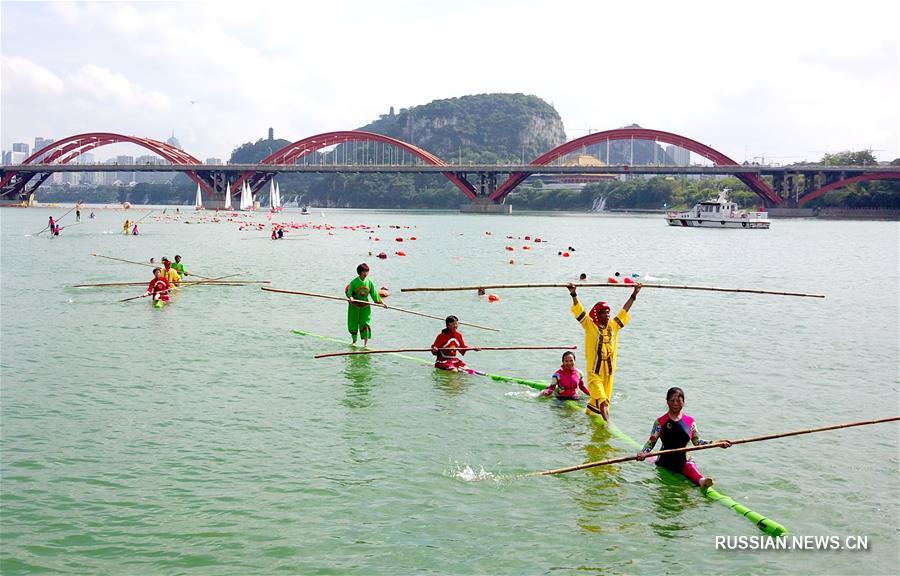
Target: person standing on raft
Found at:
676, 429
178, 266
601, 343
169, 273
359, 316
447, 343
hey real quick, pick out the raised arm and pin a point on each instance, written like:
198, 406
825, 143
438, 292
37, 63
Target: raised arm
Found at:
572, 292
632, 298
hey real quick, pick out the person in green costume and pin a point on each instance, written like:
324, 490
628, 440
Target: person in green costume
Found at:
359, 316
179, 267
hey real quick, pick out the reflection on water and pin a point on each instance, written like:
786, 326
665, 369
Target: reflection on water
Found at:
358, 372
672, 494
603, 491
453, 383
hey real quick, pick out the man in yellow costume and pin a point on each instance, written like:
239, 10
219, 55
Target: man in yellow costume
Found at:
601, 343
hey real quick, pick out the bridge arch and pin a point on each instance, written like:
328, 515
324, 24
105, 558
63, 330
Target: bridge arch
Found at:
296, 150
846, 182
754, 182
65, 150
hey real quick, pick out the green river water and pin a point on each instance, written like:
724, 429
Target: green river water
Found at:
203, 438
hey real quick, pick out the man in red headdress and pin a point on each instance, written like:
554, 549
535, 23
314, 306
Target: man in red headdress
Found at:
601, 342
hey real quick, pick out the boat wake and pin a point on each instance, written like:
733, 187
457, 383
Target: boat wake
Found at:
468, 474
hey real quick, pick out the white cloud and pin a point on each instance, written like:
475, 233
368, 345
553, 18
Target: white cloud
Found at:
21, 77
96, 87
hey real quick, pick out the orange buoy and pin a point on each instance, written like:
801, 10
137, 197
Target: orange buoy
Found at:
612, 280
510, 248
413, 238
526, 247
493, 298
400, 253
628, 281
566, 254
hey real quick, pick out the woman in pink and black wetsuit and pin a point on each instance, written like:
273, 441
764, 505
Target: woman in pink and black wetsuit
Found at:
446, 345
676, 429
567, 380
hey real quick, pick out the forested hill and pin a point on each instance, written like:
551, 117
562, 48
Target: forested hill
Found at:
480, 128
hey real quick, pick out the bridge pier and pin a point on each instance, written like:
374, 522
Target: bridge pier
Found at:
483, 205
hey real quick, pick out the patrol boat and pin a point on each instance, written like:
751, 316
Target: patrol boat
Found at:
718, 213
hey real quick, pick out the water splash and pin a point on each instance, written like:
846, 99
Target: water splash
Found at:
468, 474
529, 394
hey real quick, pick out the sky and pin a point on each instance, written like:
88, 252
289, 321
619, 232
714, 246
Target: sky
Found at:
773, 80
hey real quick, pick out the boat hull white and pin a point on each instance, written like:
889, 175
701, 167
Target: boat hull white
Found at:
693, 222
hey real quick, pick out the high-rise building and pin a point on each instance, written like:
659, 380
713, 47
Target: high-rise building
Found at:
40, 142
214, 161
680, 156
173, 141
20, 147
152, 177
89, 178
126, 177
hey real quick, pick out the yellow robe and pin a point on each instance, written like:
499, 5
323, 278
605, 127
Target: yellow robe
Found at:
600, 352
171, 275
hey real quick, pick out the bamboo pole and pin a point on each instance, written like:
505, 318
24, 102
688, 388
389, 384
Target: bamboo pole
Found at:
150, 265
717, 444
345, 299
468, 348
144, 216
175, 288
55, 220
182, 283
610, 285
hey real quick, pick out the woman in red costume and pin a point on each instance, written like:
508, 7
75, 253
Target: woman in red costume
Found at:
159, 287
447, 343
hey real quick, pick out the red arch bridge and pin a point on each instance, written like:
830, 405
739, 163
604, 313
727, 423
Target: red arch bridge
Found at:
356, 151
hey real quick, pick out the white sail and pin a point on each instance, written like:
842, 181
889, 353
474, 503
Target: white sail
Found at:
228, 196
277, 196
245, 196
198, 203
